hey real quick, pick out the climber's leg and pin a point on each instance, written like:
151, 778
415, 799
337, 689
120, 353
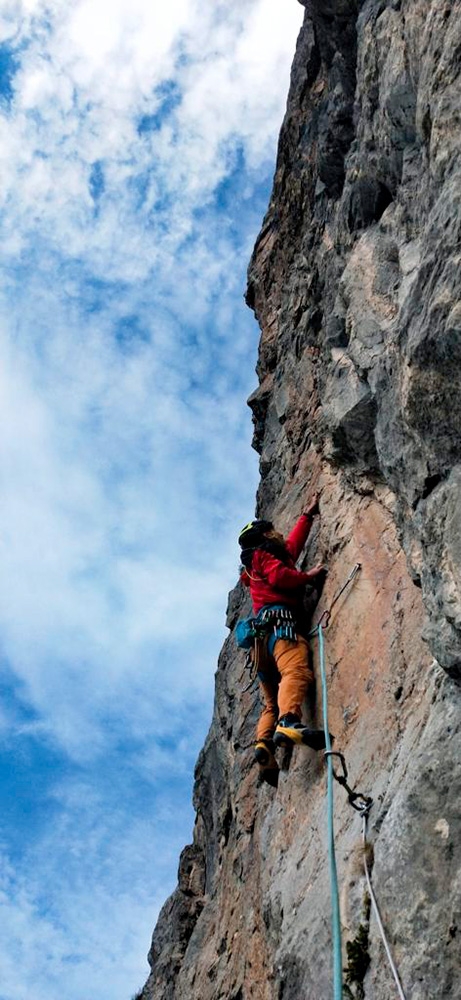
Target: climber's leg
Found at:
292, 660
293, 665
264, 747
270, 713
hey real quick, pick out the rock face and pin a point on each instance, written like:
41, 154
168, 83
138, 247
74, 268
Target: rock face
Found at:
355, 281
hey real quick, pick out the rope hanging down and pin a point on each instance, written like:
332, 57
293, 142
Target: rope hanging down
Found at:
335, 919
376, 910
361, 803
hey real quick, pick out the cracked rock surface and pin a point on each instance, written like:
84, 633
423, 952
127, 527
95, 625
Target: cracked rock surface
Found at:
355, 280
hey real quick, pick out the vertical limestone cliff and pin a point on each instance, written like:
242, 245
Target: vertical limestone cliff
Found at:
355, 281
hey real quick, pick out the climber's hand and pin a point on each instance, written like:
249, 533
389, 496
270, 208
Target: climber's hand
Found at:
317, 571
313, 507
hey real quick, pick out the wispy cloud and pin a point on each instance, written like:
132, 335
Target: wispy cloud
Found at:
136, 151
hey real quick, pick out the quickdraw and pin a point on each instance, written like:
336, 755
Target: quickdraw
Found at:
360, 802
324, 620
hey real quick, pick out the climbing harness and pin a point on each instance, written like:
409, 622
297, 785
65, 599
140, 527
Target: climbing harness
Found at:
274, 620
360, 802
259, 635
279, 620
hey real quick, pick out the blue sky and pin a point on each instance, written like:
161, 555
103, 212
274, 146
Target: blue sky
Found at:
137, 150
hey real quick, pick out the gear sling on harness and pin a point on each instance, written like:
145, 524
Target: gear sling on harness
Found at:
274, 620
260, 633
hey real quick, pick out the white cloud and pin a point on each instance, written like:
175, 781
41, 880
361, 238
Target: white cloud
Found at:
82, 85
125, 356
59, 932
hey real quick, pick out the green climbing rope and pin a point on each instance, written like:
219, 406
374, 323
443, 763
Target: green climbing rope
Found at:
360, 802
336, 920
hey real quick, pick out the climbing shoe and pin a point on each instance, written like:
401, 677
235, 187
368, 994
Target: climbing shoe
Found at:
291, 730
268, 767
264, 753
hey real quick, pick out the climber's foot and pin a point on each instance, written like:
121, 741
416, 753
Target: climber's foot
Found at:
268, 767
290, 730
264, 753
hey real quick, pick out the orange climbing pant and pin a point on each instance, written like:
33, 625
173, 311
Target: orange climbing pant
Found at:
286, 690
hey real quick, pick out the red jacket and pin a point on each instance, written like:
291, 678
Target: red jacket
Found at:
274, 582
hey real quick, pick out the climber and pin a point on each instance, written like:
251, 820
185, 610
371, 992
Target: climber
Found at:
281, 651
